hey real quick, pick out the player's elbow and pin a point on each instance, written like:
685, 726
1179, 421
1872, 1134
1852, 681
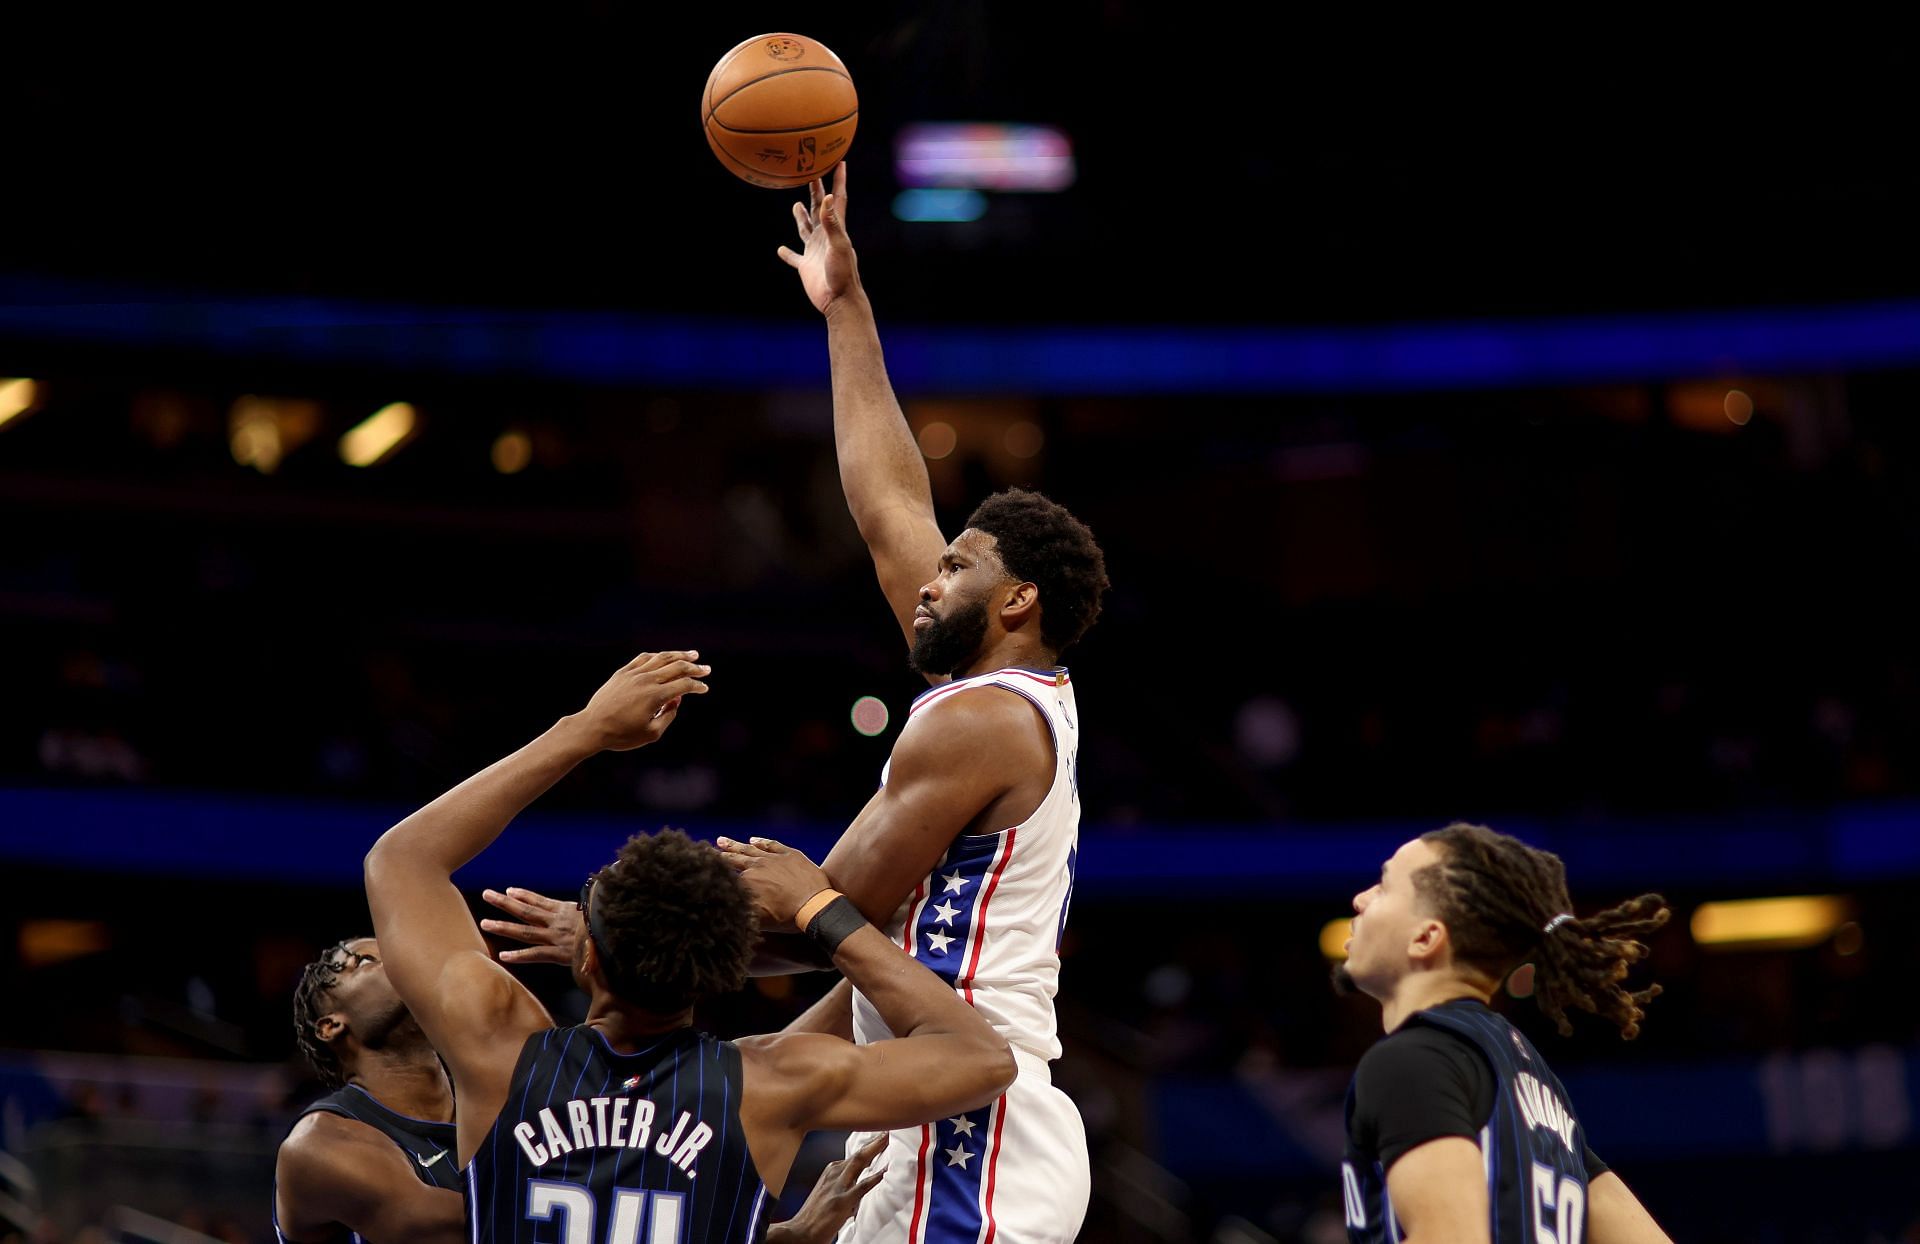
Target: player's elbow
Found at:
384, 860
993, 1068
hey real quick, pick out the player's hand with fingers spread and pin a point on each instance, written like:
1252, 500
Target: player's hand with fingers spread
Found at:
827, 266
550, 928
635, 706
780, 879
833, 1199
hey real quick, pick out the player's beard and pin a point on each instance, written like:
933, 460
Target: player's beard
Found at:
950, 642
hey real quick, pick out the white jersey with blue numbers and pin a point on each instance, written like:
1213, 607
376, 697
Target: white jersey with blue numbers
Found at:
989, 917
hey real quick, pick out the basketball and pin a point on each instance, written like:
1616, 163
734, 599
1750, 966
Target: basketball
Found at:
779, 110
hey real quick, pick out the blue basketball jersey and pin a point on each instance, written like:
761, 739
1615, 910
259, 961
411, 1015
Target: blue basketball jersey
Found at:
429, 1144
1531, 1146
597, 1146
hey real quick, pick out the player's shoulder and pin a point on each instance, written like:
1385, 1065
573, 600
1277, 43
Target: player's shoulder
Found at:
782, 1072
784, 1053
322, 1145
1414, 1054
987, 702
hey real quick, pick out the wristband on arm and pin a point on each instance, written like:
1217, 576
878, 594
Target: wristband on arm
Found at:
829, 918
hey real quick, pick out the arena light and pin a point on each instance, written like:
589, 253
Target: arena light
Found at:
512, 452
47, 942
378, 435
928, 206
938, 439
1769, 923
984, 156
870, 715
1333, 939
16, 398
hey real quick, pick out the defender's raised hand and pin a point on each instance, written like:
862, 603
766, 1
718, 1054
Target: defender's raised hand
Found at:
827, 266
635, 706
550, 928
779, 877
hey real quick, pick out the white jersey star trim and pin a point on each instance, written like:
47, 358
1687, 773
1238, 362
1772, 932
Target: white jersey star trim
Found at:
958, 1156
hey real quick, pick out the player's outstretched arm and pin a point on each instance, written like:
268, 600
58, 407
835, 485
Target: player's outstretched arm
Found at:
947, 1059
1439, 1193
334, 1173
473, 1012
881, 470
1615, 1215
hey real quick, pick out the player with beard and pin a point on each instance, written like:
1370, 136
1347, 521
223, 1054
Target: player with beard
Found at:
967, 853
373, 1158
1456, 1127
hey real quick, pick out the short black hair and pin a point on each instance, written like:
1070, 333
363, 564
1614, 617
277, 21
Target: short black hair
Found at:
1040, 543
673, 923
317, 978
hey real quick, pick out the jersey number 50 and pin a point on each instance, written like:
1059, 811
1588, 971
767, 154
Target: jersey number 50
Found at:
1559, 1207
664, 1212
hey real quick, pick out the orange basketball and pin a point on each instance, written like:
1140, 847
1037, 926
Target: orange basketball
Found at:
779, 110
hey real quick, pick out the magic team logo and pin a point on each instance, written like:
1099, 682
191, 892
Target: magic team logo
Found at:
629, 1084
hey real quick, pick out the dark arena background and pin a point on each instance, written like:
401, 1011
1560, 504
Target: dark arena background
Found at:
1517, 425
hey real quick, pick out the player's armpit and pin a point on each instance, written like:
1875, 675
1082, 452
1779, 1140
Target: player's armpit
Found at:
957, 760
333, 1172
1439, 1193
832, 1015
1615, 1215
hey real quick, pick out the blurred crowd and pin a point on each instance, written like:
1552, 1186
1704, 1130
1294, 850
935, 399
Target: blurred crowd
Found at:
1523, 603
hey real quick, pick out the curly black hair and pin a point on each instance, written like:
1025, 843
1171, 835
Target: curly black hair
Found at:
1497, 895
672, 922
1040, 543
316, 979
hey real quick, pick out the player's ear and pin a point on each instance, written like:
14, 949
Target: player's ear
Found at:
1022, 603
1430, 941
330, 1026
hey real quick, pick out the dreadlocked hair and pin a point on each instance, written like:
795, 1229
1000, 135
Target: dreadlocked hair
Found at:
318, 978
1040, 543
1496, 895
674, 923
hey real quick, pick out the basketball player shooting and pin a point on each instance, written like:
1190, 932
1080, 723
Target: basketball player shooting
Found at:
967, 852
1456, 1127
634, 1121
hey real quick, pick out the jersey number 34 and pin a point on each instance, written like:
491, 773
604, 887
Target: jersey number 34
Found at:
663, 1213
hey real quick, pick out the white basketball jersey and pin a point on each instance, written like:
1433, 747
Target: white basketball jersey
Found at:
989, 917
